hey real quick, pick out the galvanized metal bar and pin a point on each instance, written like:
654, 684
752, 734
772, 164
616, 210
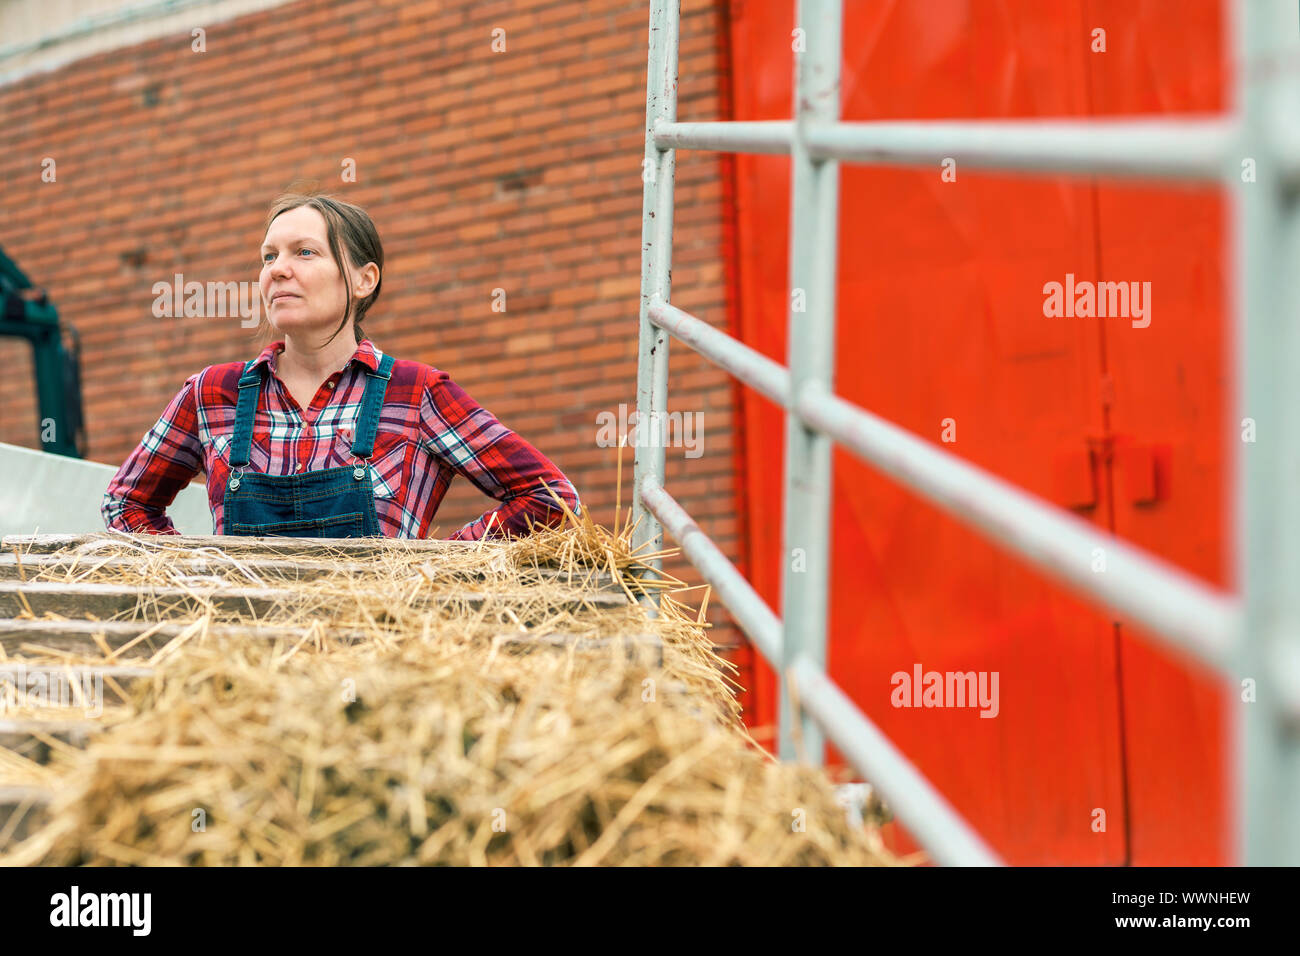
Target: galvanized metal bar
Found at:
814, 241
750, 366
1266, 230
658, 174
928, 816
1195, 149
736, 594
1179, 608
947, 838
1176, 607
757, 136
1184, 613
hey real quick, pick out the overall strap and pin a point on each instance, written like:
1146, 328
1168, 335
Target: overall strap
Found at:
372, 403
241, 445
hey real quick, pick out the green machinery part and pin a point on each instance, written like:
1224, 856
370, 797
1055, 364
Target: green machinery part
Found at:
26, 311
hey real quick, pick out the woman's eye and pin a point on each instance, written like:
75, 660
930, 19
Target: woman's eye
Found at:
269, 255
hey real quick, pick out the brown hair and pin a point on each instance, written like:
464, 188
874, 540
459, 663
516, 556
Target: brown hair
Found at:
345, 225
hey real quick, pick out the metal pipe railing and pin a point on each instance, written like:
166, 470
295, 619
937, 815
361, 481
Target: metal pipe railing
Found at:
1197, 148
1264, 243
1182, 612
810, 330
1120, 148
928, 816
1178, 608
748, 608
658, 174
755, 369
1257, 638
914, 799
752, 136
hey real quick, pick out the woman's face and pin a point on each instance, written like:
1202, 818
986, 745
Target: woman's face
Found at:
302, 288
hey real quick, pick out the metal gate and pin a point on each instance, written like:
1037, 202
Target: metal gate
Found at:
1250, 637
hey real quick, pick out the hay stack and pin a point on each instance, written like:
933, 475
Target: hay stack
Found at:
470, 706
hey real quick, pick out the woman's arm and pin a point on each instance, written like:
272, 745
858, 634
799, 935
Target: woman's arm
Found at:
500, 464
164, 462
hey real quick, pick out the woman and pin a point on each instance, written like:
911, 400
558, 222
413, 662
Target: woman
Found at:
323, 434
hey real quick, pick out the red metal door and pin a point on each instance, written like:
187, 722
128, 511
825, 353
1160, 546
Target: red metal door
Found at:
941, 330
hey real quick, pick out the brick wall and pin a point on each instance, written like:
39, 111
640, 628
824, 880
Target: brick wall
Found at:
167, 160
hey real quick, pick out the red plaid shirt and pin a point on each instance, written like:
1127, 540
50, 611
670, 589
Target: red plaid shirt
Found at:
429, 431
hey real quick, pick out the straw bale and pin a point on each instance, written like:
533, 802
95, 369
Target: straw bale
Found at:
380, 727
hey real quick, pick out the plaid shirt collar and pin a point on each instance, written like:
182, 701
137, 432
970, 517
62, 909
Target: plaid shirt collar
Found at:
364, 355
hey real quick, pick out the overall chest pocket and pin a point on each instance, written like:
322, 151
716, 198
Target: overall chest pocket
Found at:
389, 463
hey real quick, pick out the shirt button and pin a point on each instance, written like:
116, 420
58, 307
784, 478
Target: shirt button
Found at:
329, 384
300, 466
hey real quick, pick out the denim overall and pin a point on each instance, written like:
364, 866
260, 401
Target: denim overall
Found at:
330, 503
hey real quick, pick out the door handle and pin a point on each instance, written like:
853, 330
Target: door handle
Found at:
1143, 469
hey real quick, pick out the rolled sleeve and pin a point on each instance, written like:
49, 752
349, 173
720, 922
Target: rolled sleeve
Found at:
166, 460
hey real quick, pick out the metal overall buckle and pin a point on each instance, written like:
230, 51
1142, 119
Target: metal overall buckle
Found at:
234, 481
359, 467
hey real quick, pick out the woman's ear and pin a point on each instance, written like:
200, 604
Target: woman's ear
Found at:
366, 280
